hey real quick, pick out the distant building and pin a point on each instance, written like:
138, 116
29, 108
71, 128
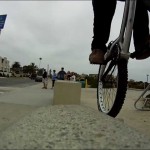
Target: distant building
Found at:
4, 65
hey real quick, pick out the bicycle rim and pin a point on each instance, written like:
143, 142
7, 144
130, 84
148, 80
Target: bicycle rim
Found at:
111, 90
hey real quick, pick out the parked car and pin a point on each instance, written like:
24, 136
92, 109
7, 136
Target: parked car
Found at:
38, 78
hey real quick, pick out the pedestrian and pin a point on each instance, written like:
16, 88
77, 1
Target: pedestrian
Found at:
73, 77
103, 14
61, 74
45, 80
54, 78
68, 75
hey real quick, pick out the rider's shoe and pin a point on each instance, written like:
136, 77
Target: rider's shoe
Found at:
143, 53
139, 55
97, 56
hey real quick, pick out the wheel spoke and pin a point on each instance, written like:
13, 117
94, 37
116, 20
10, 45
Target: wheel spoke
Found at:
112, 89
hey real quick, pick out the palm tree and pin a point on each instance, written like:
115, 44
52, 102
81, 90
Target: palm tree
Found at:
25, 69
30, 68
16, 67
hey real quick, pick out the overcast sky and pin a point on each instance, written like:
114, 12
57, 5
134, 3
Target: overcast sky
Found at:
60, 32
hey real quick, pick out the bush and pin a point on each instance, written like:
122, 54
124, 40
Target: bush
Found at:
92, 81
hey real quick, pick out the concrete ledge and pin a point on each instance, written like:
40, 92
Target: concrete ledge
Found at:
71, 127
67, 92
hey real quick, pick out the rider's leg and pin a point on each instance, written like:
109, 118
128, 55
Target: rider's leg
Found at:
103, 14
141, 32
147, 4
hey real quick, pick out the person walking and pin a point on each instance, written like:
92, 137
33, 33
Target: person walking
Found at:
61, 74
73, 77
68, 75
45, 80
54, 78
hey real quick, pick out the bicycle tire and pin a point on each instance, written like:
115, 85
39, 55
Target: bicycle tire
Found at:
120, 93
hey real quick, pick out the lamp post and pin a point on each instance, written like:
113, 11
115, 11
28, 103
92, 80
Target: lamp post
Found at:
146, 81
147, 78
48, 70
40, 62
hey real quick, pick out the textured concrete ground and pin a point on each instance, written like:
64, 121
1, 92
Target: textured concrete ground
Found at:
71, 127
129, 115
23, 125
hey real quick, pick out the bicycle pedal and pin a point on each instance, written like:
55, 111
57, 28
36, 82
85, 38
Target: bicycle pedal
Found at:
133, 55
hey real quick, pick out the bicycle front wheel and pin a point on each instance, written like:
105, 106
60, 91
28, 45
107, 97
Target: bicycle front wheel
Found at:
112, 87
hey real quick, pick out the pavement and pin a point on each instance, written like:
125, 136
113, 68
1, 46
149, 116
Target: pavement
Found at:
31, 95
28, 120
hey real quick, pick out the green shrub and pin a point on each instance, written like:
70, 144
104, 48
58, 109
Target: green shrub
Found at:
92, 81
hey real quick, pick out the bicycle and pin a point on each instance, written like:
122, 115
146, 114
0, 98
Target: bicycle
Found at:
113, 74
143, 103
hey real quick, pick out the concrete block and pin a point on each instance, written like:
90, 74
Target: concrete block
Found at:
67, 92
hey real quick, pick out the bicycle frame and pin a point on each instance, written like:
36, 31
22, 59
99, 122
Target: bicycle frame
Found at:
117, 57
124, 37
126, 29
135, 103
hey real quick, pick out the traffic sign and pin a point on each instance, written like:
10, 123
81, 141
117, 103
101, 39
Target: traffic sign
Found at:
2, 21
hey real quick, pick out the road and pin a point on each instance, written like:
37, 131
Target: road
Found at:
16, 82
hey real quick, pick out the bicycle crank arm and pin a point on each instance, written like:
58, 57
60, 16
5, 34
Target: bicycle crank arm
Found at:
124, 55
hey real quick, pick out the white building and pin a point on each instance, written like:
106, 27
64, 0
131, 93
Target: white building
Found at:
4, 65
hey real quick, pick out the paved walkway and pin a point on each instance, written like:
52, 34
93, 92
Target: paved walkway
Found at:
25, 125
32, 95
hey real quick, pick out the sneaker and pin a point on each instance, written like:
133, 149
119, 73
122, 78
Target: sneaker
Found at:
143, 53
139, 55
96, 57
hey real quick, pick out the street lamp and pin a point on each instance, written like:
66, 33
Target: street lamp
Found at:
40, 62
147, 78
145, 84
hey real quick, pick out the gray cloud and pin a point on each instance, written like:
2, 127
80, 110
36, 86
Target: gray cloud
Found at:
58, 31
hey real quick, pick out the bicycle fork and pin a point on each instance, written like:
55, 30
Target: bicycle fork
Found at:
124, 39
119, 49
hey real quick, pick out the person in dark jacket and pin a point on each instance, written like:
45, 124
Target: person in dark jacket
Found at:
61, 74
45, 80
102, 24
